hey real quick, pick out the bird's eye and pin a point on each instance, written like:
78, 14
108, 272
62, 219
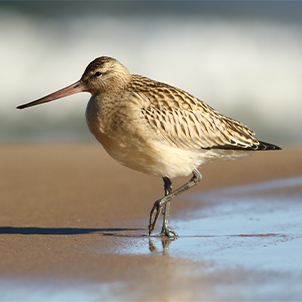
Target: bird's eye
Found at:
97, 74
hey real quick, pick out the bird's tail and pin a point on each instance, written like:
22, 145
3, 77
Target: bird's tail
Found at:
267, 146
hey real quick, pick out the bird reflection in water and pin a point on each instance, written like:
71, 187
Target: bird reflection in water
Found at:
165, 241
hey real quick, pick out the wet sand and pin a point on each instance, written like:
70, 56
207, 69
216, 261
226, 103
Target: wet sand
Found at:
73, 225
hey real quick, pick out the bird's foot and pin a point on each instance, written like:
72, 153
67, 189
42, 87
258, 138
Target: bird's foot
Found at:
158, 208
166, 231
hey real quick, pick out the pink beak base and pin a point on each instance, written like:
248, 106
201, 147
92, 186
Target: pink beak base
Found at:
69, 90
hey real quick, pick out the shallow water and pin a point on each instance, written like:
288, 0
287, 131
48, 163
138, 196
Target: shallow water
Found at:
248, 239
17, 291
253, 230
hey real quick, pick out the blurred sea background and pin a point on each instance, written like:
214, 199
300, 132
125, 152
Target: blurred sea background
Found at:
243, 58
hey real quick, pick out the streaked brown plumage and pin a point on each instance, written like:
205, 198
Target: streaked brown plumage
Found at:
156, 128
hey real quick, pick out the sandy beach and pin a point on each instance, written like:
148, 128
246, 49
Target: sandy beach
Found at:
74, 226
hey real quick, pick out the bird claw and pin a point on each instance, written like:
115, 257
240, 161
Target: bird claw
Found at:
158, 207
166, 231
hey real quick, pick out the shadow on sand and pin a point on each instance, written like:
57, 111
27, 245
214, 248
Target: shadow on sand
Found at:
60, 231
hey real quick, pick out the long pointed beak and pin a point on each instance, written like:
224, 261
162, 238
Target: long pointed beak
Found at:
69, 90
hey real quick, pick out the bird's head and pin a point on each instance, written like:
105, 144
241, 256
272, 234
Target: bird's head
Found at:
104, 74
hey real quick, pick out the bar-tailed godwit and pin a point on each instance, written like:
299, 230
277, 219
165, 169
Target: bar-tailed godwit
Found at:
156, 128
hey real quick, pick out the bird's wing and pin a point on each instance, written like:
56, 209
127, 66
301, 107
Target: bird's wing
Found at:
186, 122
195, 129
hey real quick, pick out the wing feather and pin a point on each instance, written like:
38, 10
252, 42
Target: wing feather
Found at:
186, 122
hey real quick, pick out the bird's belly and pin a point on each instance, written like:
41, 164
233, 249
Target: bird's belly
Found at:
156, 159
153, 158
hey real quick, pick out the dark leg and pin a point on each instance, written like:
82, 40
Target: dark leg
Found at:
161, 204
166, 210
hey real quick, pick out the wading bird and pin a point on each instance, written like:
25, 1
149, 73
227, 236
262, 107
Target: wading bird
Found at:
156, 128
